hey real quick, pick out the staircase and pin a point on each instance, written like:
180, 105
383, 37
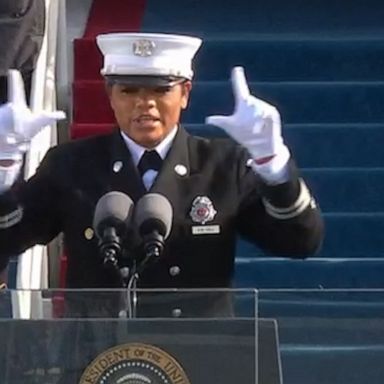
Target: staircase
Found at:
321, 64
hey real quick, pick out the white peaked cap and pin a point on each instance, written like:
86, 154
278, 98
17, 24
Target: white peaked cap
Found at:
148, 54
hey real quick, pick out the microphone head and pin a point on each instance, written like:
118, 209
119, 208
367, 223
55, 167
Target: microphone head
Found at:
114, 209
153, 212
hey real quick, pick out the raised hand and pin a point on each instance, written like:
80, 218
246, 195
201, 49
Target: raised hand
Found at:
18, 124
255, 124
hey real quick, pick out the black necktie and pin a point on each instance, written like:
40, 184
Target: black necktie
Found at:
149, 160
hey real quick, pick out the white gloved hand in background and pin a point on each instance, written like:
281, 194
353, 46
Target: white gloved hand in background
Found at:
18, 126
256, 125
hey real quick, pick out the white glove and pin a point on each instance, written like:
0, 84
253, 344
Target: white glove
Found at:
18, 125
256, 125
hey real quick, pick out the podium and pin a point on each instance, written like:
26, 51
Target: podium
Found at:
192, 336
153, 337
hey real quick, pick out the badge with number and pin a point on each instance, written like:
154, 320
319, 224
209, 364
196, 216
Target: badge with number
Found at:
202, 210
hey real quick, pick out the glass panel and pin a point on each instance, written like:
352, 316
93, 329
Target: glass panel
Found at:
95, 337
328, 336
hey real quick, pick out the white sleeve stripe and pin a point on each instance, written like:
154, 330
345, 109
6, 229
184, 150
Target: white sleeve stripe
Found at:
11, 219
295, 209
293, 214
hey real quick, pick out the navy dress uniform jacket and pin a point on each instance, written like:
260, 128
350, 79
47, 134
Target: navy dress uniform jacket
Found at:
62, 195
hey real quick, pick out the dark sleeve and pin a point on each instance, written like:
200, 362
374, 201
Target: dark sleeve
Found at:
22, 24
283, 219
30, 211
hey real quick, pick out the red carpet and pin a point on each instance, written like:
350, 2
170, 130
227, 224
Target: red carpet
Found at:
85, 130
91, 104
87, 60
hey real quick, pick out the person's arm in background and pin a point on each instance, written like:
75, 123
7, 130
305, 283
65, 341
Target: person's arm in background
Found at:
285, 220
22, 26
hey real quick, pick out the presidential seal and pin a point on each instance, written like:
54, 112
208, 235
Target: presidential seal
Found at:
134, 363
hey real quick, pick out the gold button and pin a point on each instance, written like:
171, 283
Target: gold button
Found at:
89, 233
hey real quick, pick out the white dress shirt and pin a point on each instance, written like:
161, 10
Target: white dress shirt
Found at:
137, 151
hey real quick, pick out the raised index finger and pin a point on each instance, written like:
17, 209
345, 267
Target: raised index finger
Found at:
16, 91
239, 84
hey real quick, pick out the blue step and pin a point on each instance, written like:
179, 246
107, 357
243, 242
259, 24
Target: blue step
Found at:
336, 189
324, 145
314, 364
325, 17
353, 235
340, 330
336, 145
292, 59
347, 190
322, 304
276, 58
312, 273
298, 102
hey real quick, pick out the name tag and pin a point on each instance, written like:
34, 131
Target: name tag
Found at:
205, 229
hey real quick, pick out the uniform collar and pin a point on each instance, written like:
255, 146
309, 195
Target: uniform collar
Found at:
175, 172
137, 150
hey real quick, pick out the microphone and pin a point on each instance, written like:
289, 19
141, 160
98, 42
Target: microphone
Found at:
112, 217
153, 220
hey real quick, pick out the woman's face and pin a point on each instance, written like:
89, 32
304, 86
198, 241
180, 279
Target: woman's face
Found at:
148, 114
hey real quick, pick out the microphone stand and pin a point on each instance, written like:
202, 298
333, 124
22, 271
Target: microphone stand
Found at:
112, 256
128, 299
153, 247
129, 278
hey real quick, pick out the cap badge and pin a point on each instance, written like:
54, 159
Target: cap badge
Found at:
202, 210
143, 48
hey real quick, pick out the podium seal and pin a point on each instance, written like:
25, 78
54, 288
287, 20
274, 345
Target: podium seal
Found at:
134, 363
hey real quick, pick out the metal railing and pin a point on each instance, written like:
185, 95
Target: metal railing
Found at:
32, 267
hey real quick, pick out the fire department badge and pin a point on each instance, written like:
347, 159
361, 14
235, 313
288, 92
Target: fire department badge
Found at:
143, 48
134, 363
202, 210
